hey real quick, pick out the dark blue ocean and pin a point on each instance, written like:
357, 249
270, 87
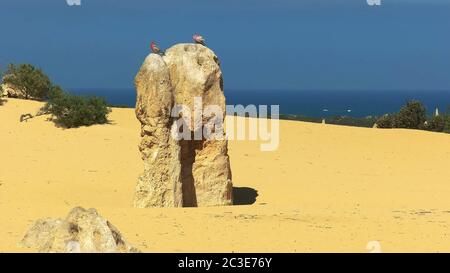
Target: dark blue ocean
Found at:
309, 103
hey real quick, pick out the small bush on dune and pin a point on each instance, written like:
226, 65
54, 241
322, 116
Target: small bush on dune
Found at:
411, 116
447, 121
386, 121
351, 121
73, 111
1, 93
68, 110
31, 80
447, 125
435, 124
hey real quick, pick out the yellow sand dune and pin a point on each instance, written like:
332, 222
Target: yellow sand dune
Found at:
327, 188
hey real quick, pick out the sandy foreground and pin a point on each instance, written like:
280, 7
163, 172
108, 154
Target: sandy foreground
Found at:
327, 188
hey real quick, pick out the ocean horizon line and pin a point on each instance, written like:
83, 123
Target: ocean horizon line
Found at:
288, 89
311, 103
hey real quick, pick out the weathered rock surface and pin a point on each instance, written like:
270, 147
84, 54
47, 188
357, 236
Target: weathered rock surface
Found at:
187, 172
160, 184
11, 91
82, 231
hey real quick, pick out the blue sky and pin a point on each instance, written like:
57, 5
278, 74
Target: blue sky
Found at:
262, 44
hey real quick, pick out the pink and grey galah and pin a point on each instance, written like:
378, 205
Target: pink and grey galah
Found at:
155, 49
198, 39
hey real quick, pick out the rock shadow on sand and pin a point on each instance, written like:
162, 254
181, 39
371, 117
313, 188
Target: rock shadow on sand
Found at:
244, 196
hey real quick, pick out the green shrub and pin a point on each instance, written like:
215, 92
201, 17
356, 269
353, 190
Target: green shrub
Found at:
411, 116
55, 92
74, 111
300, 118
447, 125
386, 121
31, 80
352, 121
447, 122
435, 124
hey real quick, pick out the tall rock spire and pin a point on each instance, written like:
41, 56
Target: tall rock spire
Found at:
191, 168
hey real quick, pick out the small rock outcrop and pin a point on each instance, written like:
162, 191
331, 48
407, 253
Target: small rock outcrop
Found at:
11, 91
81, 231
182, 172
